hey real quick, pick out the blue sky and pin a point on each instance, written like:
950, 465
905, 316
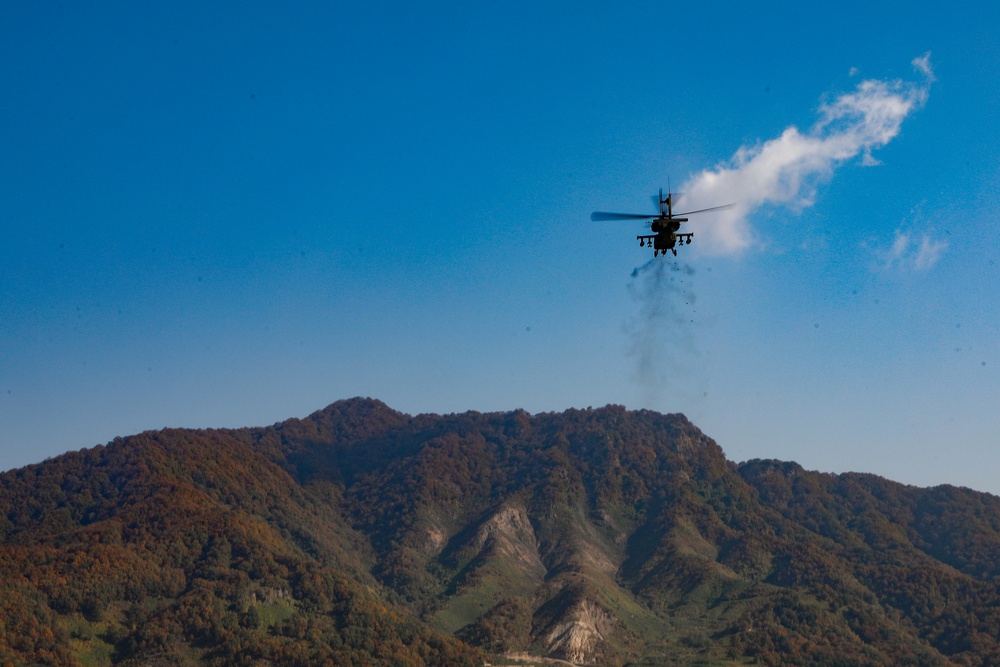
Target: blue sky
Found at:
234, 214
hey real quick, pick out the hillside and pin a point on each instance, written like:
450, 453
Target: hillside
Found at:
360, 535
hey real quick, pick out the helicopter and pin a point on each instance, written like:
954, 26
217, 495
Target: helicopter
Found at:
664, 226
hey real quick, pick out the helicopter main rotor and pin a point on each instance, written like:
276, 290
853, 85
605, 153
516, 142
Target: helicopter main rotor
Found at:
598, 216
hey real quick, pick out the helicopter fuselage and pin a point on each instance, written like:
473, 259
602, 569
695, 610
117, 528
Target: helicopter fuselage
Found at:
665, 237
661, 225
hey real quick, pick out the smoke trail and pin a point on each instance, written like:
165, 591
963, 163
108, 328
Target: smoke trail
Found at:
661, 341
785, 170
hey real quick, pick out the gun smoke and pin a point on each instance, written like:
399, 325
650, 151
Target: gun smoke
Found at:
661, 340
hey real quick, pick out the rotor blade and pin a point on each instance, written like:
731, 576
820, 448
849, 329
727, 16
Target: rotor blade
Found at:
603, 215
703, 210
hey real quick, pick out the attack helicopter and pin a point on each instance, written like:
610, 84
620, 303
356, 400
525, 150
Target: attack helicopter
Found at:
664, 226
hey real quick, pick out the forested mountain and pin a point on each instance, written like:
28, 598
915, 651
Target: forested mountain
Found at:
363, 536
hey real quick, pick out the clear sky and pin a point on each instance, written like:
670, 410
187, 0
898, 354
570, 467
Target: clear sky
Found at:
228, 214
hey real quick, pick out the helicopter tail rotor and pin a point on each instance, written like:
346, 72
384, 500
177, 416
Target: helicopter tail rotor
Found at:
659, 201
665, 205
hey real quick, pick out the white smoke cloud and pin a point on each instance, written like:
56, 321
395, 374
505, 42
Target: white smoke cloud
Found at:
786, 170
923, 63
909, 254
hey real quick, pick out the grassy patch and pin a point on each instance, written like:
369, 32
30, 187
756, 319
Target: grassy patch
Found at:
275, 613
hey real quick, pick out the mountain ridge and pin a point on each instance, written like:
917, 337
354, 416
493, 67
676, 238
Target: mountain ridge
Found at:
597, 536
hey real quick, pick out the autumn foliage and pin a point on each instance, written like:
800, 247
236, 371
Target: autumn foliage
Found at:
362, 536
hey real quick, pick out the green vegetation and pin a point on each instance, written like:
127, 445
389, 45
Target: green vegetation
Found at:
361, 536
187, 547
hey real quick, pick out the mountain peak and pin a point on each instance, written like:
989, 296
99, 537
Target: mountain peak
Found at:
597, 536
